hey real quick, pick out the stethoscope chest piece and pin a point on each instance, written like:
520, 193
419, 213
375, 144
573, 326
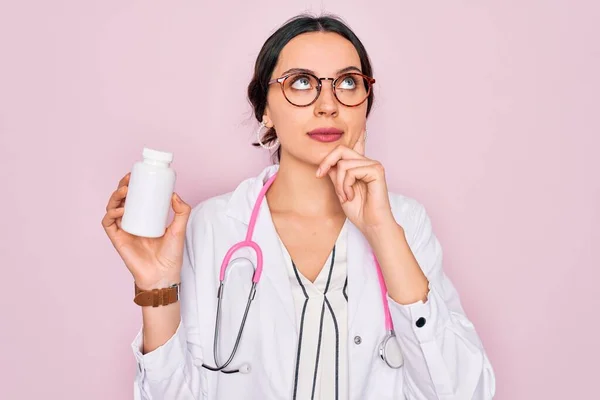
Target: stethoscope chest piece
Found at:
390, 352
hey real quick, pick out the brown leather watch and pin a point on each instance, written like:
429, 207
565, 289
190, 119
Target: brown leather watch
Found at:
156, 297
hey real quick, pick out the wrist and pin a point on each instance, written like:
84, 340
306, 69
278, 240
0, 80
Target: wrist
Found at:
162, 283
383, 231
156, 297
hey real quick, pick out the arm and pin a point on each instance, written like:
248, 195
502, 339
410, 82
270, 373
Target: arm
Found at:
159, 324
444, 357
167, 348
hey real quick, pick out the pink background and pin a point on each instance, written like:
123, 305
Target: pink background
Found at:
486, 113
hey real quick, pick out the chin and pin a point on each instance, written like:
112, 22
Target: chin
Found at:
314, 151
318, 155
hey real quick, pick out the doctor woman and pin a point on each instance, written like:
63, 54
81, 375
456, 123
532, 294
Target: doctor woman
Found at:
333, 287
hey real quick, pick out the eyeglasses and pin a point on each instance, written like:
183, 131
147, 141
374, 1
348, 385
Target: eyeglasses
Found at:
302, 88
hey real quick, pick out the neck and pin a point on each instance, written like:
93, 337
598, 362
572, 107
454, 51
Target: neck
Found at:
297, 190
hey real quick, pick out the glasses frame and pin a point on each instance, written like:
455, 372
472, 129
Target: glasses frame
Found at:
281, 80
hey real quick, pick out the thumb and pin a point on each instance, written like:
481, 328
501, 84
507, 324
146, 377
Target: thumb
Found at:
182, 213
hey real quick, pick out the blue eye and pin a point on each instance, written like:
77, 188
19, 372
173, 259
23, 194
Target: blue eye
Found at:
302, 82
347, 83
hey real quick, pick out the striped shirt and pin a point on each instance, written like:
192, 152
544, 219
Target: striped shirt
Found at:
320, 370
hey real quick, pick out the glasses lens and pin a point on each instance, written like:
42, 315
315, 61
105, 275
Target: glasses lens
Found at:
352, 89
301, 89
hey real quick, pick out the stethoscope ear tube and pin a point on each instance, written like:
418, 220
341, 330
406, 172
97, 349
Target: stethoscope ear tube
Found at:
245, 368
389, 349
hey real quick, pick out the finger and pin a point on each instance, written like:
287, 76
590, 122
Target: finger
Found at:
109, 222
339, 153
339, 181
182, 213
333, 176
117, 197
125, 180
359, 146
343, 166
366, 174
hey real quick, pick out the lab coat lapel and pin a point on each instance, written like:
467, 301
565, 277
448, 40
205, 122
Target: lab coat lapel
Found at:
274, 264
358, 272
364, 318
240, 207
274, 294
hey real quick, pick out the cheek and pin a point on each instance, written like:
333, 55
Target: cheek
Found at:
291, 121
355, 119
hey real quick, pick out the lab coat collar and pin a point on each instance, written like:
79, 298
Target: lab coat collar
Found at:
244, 196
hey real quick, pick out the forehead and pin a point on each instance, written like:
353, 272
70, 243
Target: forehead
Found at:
322, 52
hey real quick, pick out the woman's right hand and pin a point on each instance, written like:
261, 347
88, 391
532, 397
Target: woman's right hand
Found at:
154, 262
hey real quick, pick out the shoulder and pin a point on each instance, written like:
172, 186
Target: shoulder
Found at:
405, 209
410, 214
237, 203
210, 209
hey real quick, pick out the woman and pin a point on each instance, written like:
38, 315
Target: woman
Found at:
333, 239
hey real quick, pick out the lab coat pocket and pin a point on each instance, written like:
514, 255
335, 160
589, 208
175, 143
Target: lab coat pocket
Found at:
385, 383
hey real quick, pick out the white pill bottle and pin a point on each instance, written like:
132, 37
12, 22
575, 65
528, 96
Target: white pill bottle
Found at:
148, 200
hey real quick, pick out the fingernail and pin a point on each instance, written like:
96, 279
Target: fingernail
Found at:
318, 172
177, 198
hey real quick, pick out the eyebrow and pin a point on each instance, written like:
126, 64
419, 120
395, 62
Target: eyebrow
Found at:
308, 71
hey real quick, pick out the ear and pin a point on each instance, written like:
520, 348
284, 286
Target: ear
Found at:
266, 118
267, 121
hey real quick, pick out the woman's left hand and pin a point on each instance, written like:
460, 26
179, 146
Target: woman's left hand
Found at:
360, 185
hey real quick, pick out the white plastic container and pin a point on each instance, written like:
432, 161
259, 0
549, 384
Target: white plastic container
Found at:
149, 195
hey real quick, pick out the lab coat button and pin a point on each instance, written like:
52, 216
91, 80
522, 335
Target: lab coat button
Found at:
420, 322
357, 340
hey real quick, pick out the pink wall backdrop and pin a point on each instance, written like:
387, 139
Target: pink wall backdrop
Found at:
487, 112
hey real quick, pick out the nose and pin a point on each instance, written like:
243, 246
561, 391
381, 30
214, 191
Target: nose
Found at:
326, 104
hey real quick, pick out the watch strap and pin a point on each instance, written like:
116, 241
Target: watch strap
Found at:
156, 297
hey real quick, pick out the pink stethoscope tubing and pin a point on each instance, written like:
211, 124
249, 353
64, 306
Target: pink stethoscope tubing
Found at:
388, 348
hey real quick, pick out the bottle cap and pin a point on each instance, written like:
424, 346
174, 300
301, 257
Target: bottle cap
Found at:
156, 155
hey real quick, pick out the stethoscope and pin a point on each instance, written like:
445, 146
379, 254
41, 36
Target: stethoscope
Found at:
389, 350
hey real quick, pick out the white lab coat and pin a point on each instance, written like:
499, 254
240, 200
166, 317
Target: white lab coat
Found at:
444, 359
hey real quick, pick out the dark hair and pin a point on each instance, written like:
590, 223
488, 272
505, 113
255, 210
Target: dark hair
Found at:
269, 54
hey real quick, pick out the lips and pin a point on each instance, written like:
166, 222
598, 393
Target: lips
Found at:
326, 131
326, 134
